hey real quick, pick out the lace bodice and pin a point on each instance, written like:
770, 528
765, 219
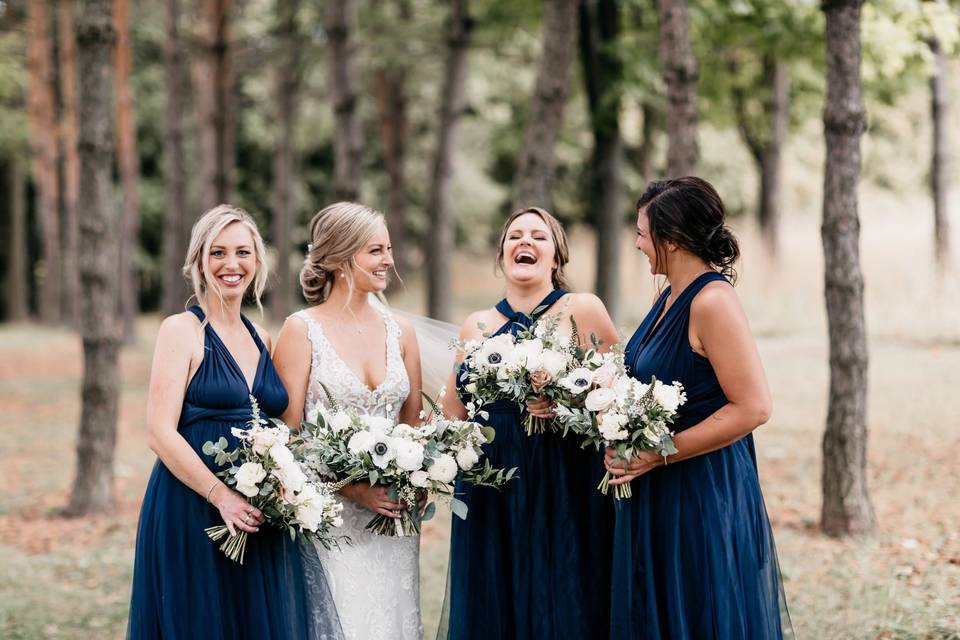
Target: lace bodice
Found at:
328, 367
375, 580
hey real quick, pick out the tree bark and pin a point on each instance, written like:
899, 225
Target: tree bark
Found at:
440, 236
535, 168
288, 76
340, 18
99, 226
40, 111
18, 309
680, 75
71, 159
174, 229
648, 141
213, 83
129, 165
940, 162
603, 76
846, 501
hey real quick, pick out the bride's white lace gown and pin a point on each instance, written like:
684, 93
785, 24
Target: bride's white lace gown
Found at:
376, 580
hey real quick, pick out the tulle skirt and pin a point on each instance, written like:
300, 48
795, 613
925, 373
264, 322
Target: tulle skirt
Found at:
184, 587
694, 555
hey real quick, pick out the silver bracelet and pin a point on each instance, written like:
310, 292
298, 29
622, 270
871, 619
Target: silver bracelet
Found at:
212, 487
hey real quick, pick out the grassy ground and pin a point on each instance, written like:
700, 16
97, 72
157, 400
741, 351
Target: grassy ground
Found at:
70, 578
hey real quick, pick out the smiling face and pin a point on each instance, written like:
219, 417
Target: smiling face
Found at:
231, 264
528, 250
645, 241
373, 261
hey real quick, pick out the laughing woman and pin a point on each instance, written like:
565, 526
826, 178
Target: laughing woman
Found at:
208, 362
693, 553
532, 560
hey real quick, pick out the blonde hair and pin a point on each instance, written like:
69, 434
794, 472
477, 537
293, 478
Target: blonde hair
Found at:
561, 249
337, 233
204, 232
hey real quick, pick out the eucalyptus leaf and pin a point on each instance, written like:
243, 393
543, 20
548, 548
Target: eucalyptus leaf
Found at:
459, 508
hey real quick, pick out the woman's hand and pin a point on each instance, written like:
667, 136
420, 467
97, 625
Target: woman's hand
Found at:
373, 498
641, 463
236, 512
541, 408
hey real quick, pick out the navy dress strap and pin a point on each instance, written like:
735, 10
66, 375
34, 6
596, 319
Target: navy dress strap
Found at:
524, 319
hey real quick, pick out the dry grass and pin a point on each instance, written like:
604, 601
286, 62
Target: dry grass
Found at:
70, 578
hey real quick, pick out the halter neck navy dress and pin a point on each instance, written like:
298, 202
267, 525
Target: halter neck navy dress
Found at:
693, 552
184, 587
532, 559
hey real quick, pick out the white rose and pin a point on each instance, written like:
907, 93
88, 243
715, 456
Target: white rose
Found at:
670, 396
291, 477
527, 353
339, 421
420, 479
577, 381
264, 439
443, 469
600, 399
404, 431
377, 425
248, 476
281, 455
382, 450
610, 427
409, 454
466, 458
554, 362
360, 442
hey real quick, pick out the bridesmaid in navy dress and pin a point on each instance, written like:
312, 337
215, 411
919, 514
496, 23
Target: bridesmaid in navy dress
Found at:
208, 362
693, 553
528, 561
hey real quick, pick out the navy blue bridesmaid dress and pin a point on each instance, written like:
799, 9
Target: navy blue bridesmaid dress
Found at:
693, 551
184, 587
532, 559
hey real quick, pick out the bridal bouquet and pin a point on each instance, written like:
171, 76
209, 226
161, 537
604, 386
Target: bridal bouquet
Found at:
626, 414
264, 469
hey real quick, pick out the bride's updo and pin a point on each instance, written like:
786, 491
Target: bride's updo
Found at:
337, 233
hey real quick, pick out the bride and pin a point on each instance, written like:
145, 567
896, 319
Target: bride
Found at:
367, 359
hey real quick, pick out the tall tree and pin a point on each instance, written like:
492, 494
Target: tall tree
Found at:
71, 159
440, 236
535, 168
603, 76
940, 162
390, 80
174, 169
213, 84
340, 22
764, 133
41, 112
680, 74
18, 309
288, 80
846, 502
128, 162
99, 223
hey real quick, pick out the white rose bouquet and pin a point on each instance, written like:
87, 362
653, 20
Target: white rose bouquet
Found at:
265, 470
626, 414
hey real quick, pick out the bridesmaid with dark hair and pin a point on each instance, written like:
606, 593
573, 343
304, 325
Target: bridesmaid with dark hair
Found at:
693, 551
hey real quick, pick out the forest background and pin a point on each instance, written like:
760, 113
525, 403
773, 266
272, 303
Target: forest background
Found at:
121, 121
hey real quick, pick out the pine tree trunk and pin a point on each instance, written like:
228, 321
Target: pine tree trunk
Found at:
392, 113
18, 309
940, 162
287, 92
213, 82
603, 76
340, 18
440, 236
174, 183
71, 159
680, 76
40, 110
846, 501
535, 167
99, 229
129, 164
777, 111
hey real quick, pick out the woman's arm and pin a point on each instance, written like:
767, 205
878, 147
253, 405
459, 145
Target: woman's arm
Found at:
593, 320
719, 327
410, 411
292, 358
169, 376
